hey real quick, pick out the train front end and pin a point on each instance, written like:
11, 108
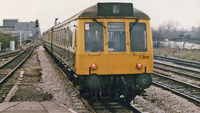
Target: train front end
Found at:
114, 51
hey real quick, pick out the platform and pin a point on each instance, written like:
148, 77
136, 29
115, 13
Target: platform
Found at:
33, 107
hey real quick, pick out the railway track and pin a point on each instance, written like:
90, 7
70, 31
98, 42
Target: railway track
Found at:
181, 71
114, 106
183, 89
191, 70
9, 68
9, 54
179, 61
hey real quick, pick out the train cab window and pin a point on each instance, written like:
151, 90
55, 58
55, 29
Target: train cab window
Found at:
94, 37
116, 37
138, 38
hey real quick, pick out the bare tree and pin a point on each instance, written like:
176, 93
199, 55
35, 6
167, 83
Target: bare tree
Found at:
169, 25
158, 34
171, 28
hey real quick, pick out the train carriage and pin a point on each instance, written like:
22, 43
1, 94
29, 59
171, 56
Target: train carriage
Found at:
106, 47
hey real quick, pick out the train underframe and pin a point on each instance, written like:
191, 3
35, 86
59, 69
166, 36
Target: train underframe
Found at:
123, 87
119, 87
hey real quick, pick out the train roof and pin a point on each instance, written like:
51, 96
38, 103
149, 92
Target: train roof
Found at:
112, 10
108, 10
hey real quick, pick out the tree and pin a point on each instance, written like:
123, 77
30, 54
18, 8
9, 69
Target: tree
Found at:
158, 35
171, 28
5, 40
169, 25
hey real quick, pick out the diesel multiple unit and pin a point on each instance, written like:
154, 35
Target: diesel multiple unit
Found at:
106, 48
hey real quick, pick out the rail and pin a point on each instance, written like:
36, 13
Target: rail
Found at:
178, 72
177, 67
179, 61
9, 54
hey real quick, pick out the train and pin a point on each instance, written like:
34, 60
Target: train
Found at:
106, 48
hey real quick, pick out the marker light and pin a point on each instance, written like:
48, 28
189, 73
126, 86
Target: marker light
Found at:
139, 65
94, 66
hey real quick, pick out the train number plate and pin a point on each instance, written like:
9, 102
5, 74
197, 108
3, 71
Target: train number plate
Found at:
143, 57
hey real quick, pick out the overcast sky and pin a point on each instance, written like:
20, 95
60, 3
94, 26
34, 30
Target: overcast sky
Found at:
186, 12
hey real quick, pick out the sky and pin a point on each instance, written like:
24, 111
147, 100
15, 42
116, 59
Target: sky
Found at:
185, 12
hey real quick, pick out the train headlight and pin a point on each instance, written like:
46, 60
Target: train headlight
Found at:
139, 66
144, 80
94, 66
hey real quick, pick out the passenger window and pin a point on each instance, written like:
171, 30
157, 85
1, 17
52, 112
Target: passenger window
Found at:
138, 39
66, 37
94, 37
57, 37
75, 37
70, 37
54, 37
61, 37
116, 37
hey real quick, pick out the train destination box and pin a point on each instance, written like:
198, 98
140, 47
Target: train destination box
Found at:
115, 9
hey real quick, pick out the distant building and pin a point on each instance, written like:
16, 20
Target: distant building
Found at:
8, 25
28, 29
9, 22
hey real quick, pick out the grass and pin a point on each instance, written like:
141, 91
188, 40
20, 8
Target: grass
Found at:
177, 53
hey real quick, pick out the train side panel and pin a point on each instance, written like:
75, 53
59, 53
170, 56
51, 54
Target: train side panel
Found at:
63, 44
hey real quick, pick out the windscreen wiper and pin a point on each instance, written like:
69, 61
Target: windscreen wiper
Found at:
101, 24
131, 27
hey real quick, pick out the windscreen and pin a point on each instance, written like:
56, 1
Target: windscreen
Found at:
138, 37
116, 37
94, 37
